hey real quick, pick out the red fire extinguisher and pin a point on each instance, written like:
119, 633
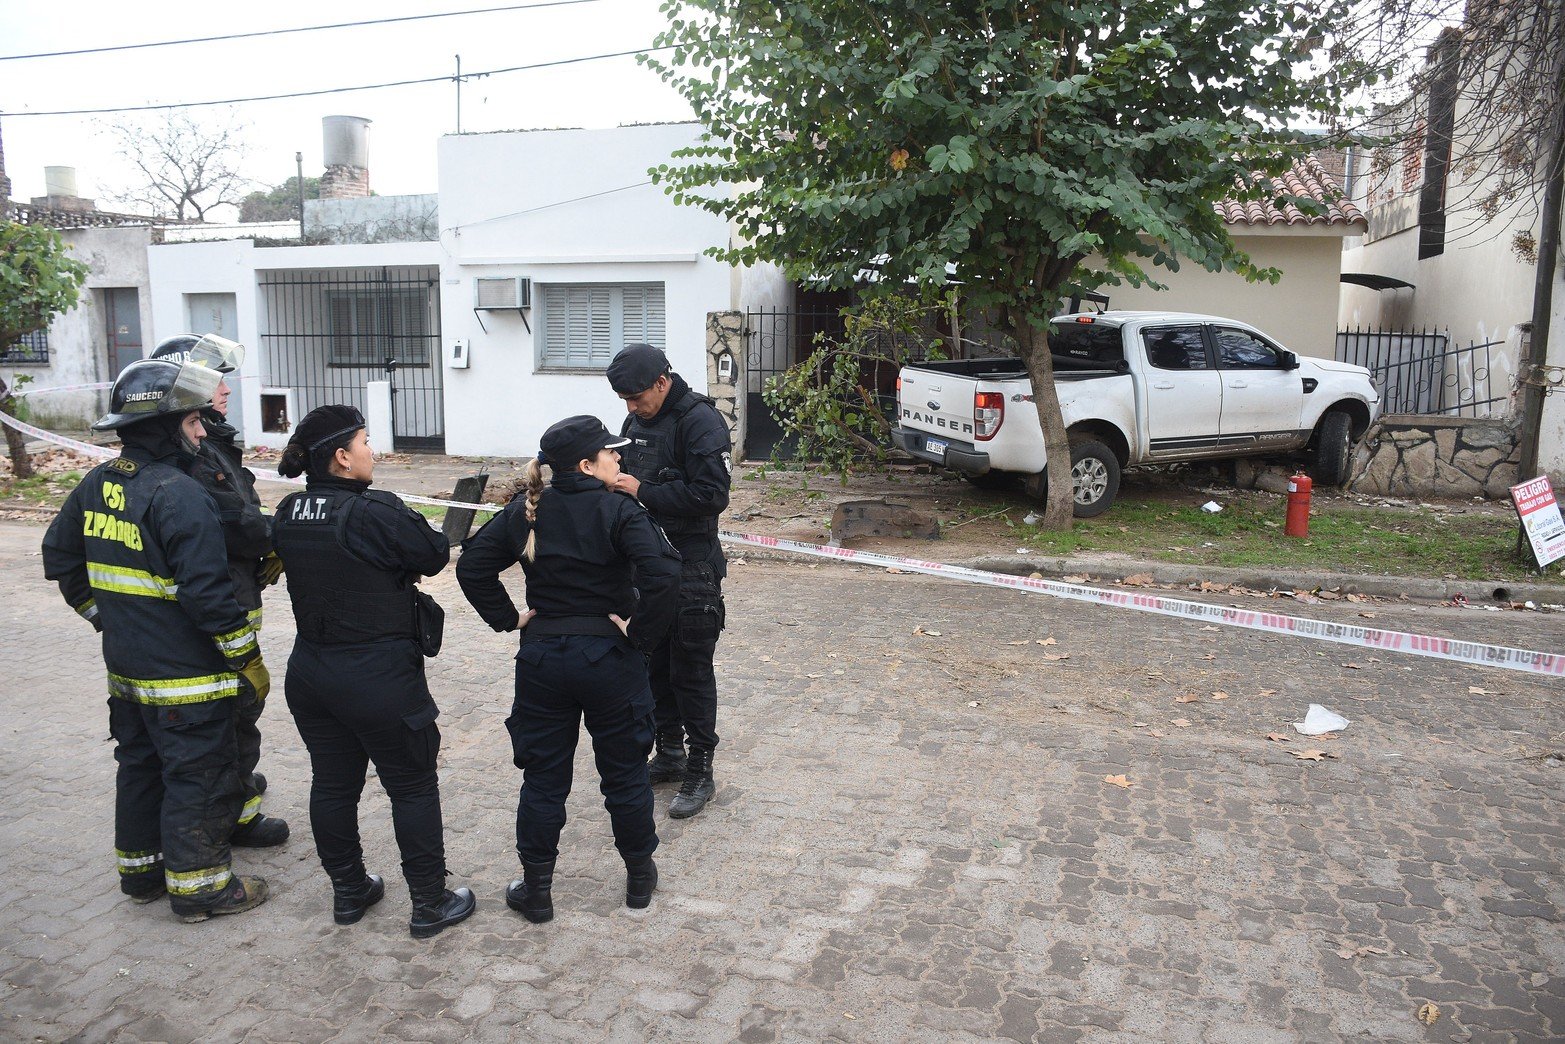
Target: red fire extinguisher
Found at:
1298, 524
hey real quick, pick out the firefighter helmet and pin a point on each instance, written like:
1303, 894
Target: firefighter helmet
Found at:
149, 388
219, 353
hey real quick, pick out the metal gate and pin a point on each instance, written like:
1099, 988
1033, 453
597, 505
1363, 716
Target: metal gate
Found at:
776, 339
326, 333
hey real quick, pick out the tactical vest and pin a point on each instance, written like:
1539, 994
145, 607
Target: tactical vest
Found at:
337, 597
657, 454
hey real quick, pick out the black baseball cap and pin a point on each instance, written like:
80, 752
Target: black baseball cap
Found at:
575, 439
636, 368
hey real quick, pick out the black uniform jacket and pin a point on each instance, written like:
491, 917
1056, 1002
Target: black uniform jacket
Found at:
681, 458
246, 532
589, 539
137, 548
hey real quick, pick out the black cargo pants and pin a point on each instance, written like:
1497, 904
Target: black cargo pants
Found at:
684, 683
176, 796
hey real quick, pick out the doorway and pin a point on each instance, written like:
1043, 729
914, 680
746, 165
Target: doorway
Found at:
122, 312
217, 314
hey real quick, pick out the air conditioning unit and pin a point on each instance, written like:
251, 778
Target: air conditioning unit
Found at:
493, 294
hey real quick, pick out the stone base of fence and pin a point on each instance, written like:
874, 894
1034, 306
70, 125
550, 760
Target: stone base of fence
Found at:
1423, 456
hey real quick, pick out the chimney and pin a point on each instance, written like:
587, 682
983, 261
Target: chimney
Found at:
347, 155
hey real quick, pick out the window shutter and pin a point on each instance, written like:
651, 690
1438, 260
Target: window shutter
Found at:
341, 306
556, 325
585, 324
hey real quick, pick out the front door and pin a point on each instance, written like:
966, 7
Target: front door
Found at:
217, 314
1184, 392
122, 312
1262, 401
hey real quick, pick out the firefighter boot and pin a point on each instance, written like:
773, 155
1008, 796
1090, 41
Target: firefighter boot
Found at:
697, 788
641, 880
242, 893
260, 832
354, 893
530, 895
668, 764
436, 908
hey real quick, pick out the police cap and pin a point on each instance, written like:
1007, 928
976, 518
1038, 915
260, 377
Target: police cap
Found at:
575, 439
636, 368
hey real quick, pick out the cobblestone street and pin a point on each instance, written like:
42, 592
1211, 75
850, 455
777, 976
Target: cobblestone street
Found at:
913, 839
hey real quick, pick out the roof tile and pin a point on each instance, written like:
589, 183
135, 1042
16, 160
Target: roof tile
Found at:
1307, 178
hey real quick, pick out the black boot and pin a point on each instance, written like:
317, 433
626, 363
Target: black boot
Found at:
530, 895
641, 880
668, 764
258, 781
242, 893
697, 788
353, 894
437, 907
260, 832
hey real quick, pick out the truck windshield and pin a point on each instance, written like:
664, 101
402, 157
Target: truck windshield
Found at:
1090, 342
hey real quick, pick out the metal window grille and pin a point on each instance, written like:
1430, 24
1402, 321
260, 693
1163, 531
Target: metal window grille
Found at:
583, 325
30, 350
326, 333
1421, 373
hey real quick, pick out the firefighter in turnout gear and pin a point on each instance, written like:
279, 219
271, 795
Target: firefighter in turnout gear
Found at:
248, 537
355, 682
582, 648
678, 464
137, 551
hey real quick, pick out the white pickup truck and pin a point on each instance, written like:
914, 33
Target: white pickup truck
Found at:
1137, 388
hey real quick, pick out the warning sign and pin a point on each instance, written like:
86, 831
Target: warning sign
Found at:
1540, 517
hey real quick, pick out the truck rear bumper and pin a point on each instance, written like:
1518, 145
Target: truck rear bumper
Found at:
958, 456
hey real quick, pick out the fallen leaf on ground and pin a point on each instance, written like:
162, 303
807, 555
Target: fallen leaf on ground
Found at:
1476, 691
1180, 723
1219, 695
1428, 1014
1353, 667
1187, 699
1138, 580
893, 569
1074, 579
1277, 737
1330, 596
1369, 616
1046, 641
1154, 732
1056, 656
1138, 724
1312, 755
1329, 736
926, 634
1347, 953
1267, 692
1024, 641
1120, 780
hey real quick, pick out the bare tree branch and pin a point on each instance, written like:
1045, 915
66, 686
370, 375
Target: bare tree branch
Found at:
185, 168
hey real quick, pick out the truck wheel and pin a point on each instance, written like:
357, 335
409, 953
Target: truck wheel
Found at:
992, 479
1333, 463
1094, 476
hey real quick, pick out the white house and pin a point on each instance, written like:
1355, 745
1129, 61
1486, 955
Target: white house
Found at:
557, 251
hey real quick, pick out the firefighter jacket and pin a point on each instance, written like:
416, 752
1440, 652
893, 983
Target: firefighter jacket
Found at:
246, 532
352, 554
138, 552
681, 457
589, 540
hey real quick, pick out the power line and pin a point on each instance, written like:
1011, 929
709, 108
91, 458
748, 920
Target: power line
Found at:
332, 90
284, 32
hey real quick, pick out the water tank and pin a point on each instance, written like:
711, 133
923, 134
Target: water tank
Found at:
346, 141
60, 181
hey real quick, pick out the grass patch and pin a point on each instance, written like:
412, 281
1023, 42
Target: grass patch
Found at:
41, 489
1344, 537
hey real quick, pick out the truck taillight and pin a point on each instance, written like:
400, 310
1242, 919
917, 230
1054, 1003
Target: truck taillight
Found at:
899, 385
988, 414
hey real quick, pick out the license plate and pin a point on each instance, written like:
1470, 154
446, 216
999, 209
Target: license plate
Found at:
937, 446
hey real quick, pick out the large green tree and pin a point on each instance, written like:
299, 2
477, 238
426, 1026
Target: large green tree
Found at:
1040, 148
38, 280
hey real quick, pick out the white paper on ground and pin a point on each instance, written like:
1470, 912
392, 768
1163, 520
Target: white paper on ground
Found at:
1318, 721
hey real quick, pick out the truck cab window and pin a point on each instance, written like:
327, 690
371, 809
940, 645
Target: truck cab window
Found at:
1175, 347
1242, 350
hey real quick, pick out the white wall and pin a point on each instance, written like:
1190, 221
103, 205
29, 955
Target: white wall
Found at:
78, 339
1300, 310
562, 207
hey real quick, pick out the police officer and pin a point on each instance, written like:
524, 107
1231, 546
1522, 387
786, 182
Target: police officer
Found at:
355, 680
578, 543
247, 534
678, 465
138, 553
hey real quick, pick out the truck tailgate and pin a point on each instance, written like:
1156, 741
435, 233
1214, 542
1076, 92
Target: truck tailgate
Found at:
938, 404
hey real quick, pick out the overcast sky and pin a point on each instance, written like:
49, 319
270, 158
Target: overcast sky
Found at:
407, 121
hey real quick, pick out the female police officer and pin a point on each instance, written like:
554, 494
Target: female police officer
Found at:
355, 680
578, 544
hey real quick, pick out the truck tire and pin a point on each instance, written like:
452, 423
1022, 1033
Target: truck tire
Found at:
1094, 478
1333, 464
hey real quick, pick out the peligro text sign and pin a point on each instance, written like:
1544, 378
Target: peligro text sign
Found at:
1540, 517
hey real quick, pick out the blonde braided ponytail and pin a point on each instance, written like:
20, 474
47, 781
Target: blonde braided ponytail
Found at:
534, 479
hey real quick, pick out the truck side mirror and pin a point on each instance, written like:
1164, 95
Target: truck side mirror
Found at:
1289, 360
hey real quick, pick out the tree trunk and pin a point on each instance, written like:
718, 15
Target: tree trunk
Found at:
15, 441
1058, 509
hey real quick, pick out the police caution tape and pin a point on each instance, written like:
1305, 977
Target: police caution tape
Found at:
1479, 653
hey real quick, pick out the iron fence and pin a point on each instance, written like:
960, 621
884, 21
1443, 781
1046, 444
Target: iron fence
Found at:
326, 333
1420, 373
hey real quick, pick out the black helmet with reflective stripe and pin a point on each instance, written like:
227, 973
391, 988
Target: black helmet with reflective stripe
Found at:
219, 353
149, 388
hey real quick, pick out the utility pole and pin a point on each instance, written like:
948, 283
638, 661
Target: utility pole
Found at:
298, 158
459, 94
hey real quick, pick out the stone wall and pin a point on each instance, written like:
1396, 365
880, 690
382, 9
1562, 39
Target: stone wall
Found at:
1416, 456
725, 337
